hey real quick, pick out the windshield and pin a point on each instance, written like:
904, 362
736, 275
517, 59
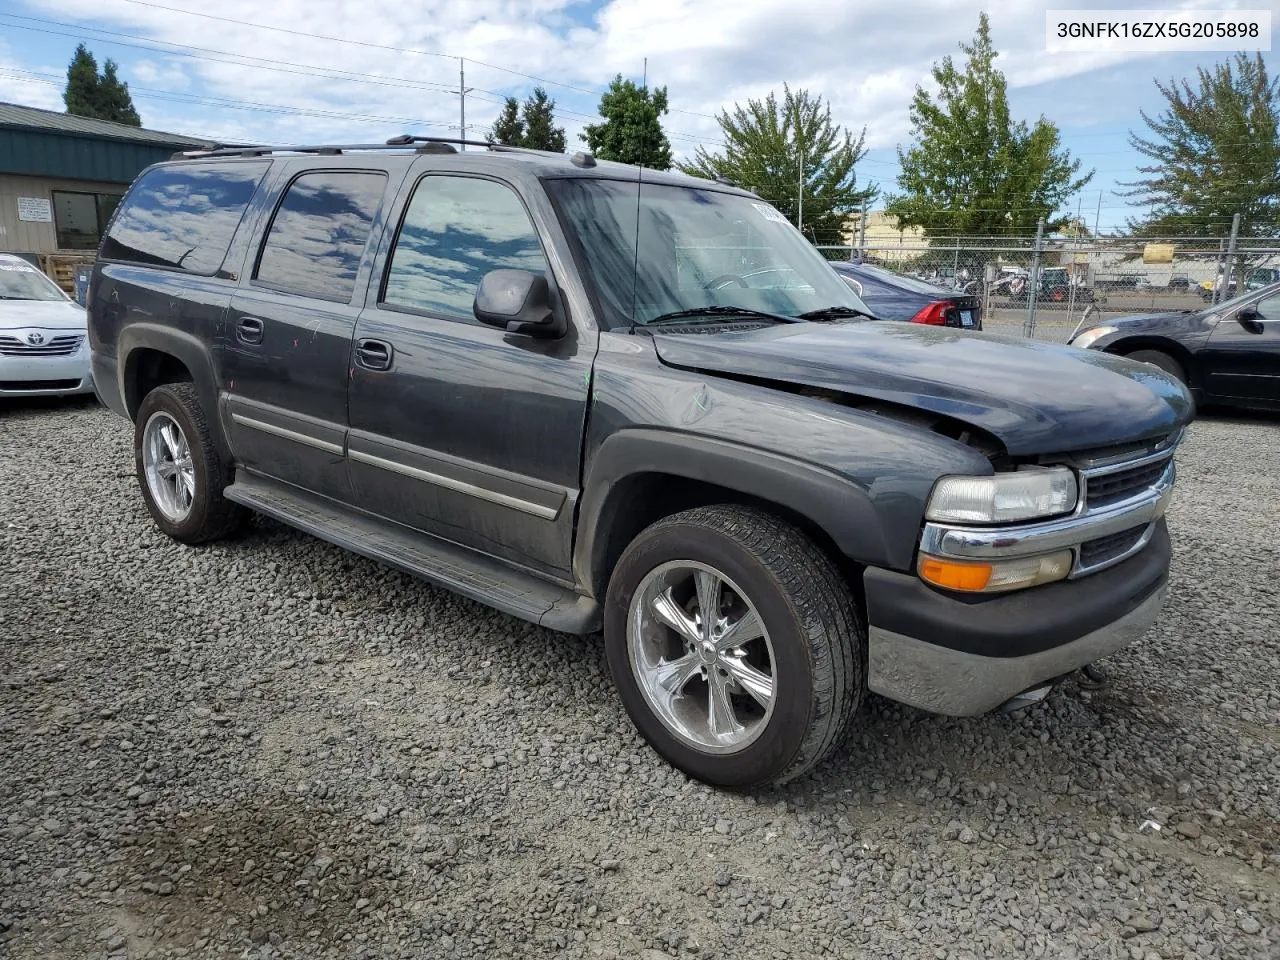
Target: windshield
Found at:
1234, 302
697, 248
21, 282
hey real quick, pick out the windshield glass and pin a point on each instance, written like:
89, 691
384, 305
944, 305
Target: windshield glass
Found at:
697, 248
1234, 302
21, 282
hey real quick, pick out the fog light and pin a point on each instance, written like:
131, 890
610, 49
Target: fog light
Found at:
994, 576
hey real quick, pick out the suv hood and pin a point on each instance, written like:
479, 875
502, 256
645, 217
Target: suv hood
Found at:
1033, 397
42, 314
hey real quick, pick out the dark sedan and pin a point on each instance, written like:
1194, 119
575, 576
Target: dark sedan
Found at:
1227, 354
894, 297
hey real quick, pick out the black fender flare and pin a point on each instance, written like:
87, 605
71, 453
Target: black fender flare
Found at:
190, 350
831, 502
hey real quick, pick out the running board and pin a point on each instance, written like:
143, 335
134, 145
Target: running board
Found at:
489, 581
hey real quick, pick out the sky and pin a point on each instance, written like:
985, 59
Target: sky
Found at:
295, 71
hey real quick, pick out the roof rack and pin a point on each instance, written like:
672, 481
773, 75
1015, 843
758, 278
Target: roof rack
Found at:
401, 142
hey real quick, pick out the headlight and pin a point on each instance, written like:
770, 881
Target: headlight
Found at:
1004, 497
1089, 336
994, 576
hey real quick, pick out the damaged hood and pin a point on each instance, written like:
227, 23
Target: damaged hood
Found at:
1033, 397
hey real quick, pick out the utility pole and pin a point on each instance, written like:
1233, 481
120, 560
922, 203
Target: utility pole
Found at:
800, 199
862, 232
463, 90
1231, 261
1033, 283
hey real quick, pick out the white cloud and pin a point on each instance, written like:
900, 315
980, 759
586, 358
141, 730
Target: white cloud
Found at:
865, 58
18, 85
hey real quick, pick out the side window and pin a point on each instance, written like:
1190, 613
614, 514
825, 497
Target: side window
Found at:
1269, 309
457, 229
183, 215
319, 232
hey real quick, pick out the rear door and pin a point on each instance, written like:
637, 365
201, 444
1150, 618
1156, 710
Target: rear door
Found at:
461, 430
287, 336
1241, 364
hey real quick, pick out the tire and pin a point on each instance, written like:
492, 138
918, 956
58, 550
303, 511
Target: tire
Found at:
812, 648
183, 494
1158, 358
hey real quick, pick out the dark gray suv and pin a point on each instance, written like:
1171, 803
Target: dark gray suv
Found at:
600, 398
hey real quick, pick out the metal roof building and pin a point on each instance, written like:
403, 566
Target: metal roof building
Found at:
61, 176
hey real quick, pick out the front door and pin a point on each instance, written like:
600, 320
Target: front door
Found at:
1244, 364
287, 336
461, 430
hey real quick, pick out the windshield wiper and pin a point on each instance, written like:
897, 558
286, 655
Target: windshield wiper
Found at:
716, 312
833, 313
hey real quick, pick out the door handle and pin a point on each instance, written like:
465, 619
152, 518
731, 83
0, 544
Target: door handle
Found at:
249, 330
374, 354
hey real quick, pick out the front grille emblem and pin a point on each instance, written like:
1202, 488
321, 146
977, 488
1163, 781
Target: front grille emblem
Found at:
35, 339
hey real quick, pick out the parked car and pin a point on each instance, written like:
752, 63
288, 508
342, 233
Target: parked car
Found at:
1227, 354
469, 366
42, 335
891, 296
1056, 284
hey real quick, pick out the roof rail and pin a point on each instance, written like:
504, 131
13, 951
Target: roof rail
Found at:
401, 142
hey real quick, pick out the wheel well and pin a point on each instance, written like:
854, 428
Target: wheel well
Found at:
641, 500
1170, 347
147, 369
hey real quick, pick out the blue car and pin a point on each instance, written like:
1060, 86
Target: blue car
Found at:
894, 297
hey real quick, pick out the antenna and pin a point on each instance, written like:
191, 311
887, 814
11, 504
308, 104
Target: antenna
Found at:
635, 265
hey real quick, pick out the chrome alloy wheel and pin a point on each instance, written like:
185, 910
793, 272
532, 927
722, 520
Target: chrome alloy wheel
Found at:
166, 460
701, 656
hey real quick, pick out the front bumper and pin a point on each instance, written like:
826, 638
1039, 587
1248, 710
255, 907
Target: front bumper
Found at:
46, 376
965, 655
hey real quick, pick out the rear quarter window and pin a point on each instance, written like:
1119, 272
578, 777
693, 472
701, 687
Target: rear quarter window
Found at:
183, 216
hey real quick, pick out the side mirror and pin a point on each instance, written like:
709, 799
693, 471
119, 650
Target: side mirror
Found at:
519, 302
1250, 320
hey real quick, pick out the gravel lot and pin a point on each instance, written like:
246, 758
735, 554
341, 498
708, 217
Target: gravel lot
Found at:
271, 748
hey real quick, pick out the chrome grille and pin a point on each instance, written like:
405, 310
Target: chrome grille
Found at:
59, 346
1113, 487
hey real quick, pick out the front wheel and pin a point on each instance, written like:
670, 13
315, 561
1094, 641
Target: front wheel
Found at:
1158, 358
735, 644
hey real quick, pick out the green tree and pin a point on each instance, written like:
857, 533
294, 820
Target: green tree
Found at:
1216, 152
631, 131
970, 168
765, 146
532, 125
103, 96
508, 129
540, 131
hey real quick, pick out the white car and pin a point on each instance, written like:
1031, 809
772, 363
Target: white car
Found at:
43, 335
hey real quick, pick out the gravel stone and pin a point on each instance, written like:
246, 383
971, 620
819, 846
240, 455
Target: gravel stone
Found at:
267, 695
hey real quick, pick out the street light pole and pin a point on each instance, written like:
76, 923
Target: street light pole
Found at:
800, 207
463, 90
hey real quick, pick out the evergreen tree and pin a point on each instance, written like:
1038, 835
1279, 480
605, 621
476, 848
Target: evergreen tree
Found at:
1216, 152
540, 131
971, 169
508, 129
765, 147
631, 128
103, 96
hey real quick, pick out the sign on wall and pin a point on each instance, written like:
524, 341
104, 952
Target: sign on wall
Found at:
35, 209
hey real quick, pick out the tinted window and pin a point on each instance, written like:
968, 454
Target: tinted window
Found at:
183, 216
1269, 309
319, 234
455, 231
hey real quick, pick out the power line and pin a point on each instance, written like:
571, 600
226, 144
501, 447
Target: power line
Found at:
280, 66
382, 46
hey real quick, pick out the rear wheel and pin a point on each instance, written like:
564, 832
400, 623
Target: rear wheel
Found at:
179, 470
735, 644
1158, 358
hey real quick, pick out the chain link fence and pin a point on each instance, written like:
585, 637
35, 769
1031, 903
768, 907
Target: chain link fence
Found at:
1050, 288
